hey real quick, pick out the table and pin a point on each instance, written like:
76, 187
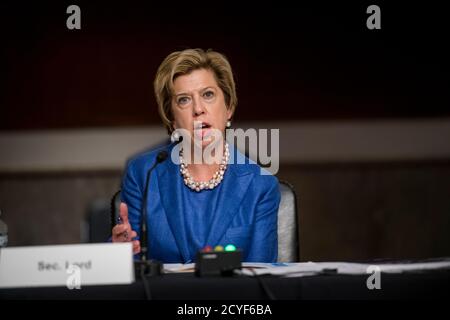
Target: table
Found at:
186, 286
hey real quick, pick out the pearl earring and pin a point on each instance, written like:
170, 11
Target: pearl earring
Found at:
175, 136
228, 124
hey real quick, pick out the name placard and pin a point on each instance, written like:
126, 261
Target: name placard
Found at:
66, 265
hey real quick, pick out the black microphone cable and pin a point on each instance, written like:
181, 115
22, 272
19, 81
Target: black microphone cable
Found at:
148, 293
263, 285
267, 291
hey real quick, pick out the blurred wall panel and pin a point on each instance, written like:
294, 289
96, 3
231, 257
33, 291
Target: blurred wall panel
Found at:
359, 212
50, 208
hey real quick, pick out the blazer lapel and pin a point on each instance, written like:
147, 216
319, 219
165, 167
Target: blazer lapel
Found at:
170, 193
234, 188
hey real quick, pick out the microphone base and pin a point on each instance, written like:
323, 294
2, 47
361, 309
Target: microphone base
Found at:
148, 268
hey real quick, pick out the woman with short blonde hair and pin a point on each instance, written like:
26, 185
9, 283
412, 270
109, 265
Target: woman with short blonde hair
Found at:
193, 205
183, 62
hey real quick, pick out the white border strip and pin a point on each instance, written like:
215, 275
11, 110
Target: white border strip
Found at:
300, 142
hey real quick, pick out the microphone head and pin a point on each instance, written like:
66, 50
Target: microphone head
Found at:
162, 155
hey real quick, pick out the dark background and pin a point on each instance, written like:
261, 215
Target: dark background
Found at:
291, 62
301, 64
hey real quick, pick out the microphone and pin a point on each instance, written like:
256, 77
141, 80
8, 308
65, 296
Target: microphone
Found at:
148, 266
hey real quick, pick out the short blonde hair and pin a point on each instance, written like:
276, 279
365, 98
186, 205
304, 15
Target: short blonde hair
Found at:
180, 63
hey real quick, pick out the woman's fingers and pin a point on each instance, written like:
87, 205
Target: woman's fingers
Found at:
118, 229
136, 246
121, 228
123, 212
127, 237
122, 233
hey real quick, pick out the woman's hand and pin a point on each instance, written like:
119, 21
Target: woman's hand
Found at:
122, 232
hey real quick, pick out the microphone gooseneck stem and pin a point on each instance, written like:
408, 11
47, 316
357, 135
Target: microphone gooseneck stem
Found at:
162, 155
144, 242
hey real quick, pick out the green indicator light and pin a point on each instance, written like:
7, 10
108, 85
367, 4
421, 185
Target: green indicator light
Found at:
230, 247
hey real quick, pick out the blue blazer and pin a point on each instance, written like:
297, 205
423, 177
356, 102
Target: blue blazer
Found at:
247, 216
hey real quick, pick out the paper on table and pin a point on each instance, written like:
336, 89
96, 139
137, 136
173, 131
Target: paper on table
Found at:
178, 267
190, 267
310, 268
300, 268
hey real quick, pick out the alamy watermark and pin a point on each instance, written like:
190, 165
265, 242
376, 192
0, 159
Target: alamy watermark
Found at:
374, 20
374, 280
74, 279
74, 20
253, 142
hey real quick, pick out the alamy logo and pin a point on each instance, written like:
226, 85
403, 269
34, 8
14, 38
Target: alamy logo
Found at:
374, 280
253, 142
74, 279
374, 20
74, 20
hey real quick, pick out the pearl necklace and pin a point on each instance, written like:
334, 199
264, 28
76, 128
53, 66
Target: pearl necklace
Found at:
213, 182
